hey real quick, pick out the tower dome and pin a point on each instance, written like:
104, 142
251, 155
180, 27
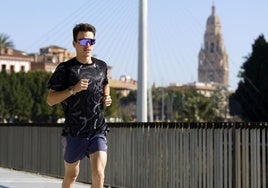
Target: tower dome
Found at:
213, 22
213, 19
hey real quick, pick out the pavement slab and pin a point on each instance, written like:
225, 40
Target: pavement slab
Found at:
19, 179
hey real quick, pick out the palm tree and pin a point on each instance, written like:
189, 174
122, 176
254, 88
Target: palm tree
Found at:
5, 42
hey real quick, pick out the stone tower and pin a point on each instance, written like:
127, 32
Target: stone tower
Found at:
213, 63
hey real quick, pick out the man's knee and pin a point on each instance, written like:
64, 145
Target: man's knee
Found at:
98, 175
71, 171
72, 176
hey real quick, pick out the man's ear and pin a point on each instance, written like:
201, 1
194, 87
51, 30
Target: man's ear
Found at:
73, 44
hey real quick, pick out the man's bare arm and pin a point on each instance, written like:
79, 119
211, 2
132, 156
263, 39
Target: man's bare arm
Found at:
107, 100
55, 97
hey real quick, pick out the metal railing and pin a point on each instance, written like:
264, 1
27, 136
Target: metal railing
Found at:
152, 155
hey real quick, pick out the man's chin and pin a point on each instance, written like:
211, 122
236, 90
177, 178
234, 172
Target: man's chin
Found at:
88, 55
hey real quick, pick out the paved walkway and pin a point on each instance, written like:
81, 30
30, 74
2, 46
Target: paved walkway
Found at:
19, 179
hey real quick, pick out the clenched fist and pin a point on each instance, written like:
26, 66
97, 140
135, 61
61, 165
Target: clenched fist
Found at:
107, 100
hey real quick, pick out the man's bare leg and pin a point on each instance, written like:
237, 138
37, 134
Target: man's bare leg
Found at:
71, 173
98, 162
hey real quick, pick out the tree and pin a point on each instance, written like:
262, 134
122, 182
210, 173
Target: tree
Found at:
249, 101
36, 82
127, 106
197, 107
183, 105
23, 97
5, 42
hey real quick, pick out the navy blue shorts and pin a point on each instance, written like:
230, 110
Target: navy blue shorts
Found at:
76, 148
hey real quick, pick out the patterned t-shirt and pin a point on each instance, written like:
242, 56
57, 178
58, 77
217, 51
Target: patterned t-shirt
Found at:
84, 110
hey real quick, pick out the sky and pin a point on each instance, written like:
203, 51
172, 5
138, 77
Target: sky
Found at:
175, 32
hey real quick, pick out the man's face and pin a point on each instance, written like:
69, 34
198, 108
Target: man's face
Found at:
84, 44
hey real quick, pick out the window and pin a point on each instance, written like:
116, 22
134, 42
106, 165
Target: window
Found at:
212, 47
4, 68
211, 76
22, 68
12, 68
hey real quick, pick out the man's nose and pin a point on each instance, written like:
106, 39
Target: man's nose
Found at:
88, 43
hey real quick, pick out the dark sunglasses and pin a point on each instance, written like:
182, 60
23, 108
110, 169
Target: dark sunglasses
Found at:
84, 42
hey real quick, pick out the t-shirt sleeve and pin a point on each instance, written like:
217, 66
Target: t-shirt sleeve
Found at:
58, 80
106, 81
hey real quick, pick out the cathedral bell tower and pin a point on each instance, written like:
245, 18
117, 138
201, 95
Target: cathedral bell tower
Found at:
213, 63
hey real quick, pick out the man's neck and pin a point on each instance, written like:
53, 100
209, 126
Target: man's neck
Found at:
87, 60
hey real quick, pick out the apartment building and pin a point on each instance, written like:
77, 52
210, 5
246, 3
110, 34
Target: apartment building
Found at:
12, 60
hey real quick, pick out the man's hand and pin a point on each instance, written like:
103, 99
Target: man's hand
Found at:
81, 85
107, 100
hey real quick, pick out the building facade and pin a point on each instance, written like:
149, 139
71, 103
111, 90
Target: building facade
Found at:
213, 66
12, 60
50, 57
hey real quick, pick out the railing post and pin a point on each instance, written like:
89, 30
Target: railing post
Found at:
233, 156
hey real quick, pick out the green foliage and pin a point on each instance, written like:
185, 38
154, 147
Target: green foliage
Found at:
23, 97
127, 107
41, 112
249, 101
185, 105
5, 42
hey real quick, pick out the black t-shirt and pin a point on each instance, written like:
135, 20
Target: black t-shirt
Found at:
84, 110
